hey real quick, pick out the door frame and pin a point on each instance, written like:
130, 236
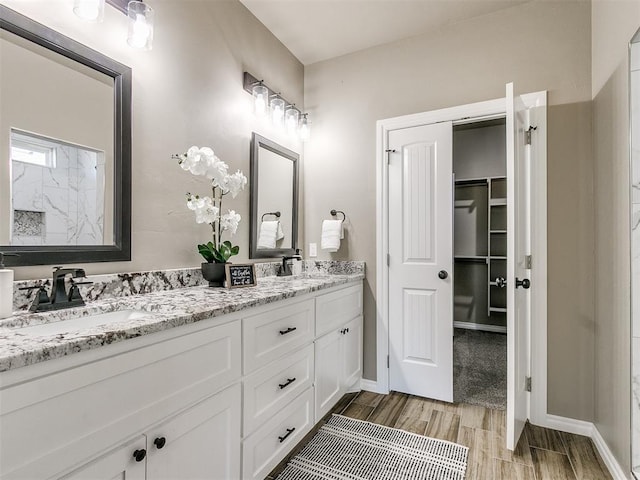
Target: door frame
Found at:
474, 112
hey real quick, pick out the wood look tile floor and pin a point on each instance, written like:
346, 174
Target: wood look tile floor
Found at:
542, 454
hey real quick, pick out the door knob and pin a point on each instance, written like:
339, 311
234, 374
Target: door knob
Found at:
442, 274
524, 283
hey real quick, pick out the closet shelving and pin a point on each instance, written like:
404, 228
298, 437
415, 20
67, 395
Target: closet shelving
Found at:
480, 244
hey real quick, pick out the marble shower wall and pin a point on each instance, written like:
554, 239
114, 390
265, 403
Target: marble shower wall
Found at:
62, 205
635, 256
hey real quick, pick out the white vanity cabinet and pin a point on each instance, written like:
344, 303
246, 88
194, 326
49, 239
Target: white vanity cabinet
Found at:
201, 442
278, 384
69, 413
221, 399
338, 346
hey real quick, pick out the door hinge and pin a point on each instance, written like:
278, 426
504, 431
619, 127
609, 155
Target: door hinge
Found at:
527, 135
387, 361
388, 260
527, 262
527, 384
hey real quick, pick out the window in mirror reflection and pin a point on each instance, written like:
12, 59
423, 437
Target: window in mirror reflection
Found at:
57, 192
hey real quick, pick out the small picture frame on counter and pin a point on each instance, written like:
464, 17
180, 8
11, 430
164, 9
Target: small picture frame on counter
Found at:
240, 275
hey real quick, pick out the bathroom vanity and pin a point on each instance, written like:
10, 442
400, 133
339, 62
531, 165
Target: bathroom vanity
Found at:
187, 383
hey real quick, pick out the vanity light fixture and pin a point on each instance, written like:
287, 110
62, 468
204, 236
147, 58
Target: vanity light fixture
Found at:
140, 18
89, 10
140, 25
282, 112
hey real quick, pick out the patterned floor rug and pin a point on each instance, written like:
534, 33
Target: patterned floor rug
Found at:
348, 449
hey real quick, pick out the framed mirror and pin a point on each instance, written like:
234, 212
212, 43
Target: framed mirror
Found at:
274, 199
65, 148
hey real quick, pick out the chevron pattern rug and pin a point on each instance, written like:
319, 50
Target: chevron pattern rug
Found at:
348, 449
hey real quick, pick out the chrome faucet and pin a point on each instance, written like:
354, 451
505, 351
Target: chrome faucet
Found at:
60, 298
285, 268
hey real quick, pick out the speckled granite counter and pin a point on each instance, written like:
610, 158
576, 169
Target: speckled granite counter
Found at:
159, 310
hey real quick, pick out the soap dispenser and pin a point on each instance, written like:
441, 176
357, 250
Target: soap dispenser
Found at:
6, 287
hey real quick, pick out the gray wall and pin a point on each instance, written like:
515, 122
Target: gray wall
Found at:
186, 91
539, 46
613, 23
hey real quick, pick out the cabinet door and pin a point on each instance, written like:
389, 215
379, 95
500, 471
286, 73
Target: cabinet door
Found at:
328, 372
119, 463
202, 442
352, 352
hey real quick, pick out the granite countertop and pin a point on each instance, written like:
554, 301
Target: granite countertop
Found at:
158, 311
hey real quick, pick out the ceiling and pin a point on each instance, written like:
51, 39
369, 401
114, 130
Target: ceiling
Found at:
315, 30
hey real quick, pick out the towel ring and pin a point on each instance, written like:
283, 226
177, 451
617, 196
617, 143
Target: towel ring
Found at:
334, 213
275, 214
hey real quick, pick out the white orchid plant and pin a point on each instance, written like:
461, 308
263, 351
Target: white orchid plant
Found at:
203, 162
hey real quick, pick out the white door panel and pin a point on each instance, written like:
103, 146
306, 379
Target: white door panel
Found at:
420, 246
518, 247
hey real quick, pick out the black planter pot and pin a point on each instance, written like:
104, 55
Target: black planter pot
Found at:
214, 273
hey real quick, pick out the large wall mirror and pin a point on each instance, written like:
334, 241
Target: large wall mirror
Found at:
634, 98
274, 199
65, 148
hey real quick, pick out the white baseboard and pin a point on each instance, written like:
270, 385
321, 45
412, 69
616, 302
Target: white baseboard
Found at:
480, 326
588, 429
565, 424
371, 386
615, 469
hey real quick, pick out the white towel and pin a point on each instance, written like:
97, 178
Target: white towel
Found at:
268, 234
280, 234
332, 232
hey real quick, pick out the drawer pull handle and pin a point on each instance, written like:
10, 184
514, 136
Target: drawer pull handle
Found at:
159, 442
288, 330
284, 437
139, 454
287, 383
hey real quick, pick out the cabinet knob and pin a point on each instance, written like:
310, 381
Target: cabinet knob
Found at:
140, 454
159, 442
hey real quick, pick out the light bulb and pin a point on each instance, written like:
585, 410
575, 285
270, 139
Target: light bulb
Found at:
277, 111
89, 10
305, 131
291, 116
140, 25
260, 96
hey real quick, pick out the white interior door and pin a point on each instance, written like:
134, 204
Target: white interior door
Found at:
518, 248
421, 261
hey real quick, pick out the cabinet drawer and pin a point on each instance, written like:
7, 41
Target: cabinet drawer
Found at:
272, 334
270, 389
68, 416
337, 308
264, 449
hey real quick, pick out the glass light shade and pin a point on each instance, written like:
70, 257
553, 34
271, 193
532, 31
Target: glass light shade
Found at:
140, 25
260, 99
277, 111
305, 131
291, 116
89, 10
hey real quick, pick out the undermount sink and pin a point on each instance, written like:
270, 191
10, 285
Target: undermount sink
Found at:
82, 323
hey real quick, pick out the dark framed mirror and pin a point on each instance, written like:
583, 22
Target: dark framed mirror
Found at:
274, 199
65, 148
